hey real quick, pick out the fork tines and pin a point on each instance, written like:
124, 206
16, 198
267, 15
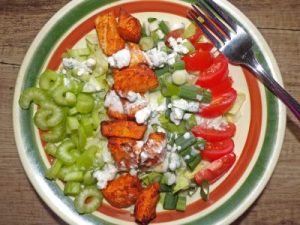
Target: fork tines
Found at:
214, 21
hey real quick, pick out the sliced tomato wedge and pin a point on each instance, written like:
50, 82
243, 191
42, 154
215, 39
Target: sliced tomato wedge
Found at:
195, 38
213, 135
215, 169
206, 46
214, 74
198, 61
222, 87
215, 150
220, 104
175, 34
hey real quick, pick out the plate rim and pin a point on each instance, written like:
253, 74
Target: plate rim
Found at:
270, 61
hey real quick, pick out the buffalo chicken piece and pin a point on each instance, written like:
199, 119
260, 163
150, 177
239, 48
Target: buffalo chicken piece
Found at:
139, 78
109, 38
124, 129
145, 206
123, 152
129, 27
123, 191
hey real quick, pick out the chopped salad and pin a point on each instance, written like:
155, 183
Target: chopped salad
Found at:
144, 115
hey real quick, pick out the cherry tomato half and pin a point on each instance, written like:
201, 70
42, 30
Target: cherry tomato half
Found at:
215, 169
198, 61
222, 87
215, 150
220, 104
214, 74
213, 135
206, 46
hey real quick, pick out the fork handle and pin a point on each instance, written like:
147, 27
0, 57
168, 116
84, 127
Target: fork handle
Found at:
252, 63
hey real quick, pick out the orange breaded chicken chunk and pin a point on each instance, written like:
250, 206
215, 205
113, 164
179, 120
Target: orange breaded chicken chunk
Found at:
145, 206
122, 150
122, 128
108, 35
139, 78
129, 27
123, 191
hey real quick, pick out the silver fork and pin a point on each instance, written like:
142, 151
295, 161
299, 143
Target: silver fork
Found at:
237, 45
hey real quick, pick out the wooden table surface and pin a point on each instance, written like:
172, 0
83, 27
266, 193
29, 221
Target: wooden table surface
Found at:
20, 21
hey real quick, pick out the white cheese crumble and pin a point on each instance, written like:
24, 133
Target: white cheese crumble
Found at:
190, 106
217, 123
174, 160
81, 68
143, 115
187, 135
92, 85
160, 34
130, 95
156, 58
108, 173
171, 178
120, 59
113, 101
176, 26
177, 45
176, 115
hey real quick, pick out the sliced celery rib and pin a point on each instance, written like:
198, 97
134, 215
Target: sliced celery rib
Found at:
34, 94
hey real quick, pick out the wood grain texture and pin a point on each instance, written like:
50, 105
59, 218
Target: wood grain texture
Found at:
279, 22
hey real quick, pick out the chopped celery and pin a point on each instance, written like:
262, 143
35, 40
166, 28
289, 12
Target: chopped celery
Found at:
87, 124
81, 138
72, 188
169, 89
66, 170
53, 171
63, 152
85, 103
72, 123
56, 133
101, 63
64, 97
152, 177
146, 43
181, 203
33, 94
50, 80
189, 31
95, 199
88, 178
51, 149
74, 176
86, 159
48, 116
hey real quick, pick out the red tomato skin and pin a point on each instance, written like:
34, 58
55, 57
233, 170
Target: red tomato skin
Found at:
221, 88
219, 105
198, 61
213, 135
215, 169
215, 150
214, 74
175, 34
195, 38
206, 46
